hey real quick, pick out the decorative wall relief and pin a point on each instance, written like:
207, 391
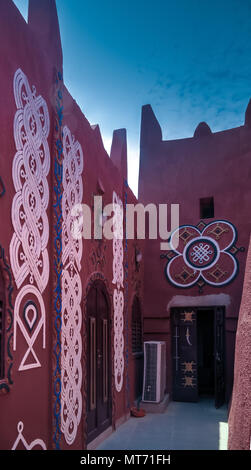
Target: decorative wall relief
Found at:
136, 262
57, 256
31, 320
28, 247
71, 340
21, 438
184, 354
126, 302
97, 256
118, 295
206, 254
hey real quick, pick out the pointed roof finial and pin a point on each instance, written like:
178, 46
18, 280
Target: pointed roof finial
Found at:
150, 128
202, 130
248, 114
98, 136
119, 151
43, 21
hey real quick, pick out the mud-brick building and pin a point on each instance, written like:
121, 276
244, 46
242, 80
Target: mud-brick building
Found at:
70, 308
192, 292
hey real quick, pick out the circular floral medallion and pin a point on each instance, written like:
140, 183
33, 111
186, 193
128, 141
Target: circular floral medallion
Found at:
203, 254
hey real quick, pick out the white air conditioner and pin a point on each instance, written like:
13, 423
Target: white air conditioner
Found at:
154, 371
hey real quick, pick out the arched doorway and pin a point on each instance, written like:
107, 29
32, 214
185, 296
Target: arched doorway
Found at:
98, 361
137, 347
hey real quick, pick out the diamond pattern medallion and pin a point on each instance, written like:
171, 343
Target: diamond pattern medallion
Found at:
207, 255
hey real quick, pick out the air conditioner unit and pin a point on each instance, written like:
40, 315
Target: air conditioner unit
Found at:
154, 371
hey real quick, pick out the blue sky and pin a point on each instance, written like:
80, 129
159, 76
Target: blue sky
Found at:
190, 59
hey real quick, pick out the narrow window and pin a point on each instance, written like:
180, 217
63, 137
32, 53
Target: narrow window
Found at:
136, 327
207, 208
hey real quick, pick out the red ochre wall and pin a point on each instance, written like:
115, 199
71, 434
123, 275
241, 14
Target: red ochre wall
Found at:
36, 49
28, 399
181, 172
239, 436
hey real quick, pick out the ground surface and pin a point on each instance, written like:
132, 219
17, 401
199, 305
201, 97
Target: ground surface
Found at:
184, 426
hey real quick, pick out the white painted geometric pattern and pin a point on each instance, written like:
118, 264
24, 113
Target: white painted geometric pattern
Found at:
20, 438
201, 253
71, 340
118, 296
35, 324
118, 253
31, 164
118, 303
28, 247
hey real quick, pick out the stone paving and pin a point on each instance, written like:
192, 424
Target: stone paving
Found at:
183, 426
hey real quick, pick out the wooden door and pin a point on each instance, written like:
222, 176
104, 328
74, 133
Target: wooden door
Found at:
98, 362
184, 354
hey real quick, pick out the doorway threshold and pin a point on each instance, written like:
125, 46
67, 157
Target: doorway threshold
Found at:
99, 439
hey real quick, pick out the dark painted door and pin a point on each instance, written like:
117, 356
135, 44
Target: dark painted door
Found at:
98, 362
184, 354
219, 359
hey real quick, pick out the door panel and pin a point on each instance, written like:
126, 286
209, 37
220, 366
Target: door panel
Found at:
184, 354
91, 363
103, 405
98, 362
92, 334
105, 360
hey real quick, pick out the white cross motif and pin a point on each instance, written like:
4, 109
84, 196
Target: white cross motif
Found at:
201, 253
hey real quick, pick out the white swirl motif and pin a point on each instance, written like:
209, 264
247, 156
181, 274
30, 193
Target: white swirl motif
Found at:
71, 369
31, 164
28, 246
118, 296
